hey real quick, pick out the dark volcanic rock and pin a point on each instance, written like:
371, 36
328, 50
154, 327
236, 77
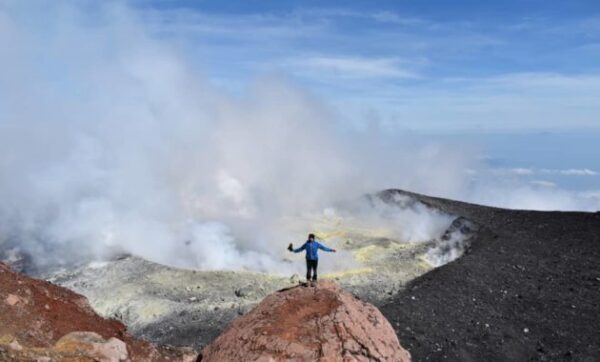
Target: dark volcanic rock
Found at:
321, 323
528, 290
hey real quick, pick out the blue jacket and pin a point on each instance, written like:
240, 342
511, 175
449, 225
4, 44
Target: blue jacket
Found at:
311, 248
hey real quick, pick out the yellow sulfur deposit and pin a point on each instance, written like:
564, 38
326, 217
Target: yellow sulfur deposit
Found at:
348, 273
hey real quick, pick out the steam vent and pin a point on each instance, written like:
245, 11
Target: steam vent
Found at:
309, 323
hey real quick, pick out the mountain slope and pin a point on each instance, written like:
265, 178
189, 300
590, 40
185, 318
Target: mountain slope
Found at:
529, 289
42, 320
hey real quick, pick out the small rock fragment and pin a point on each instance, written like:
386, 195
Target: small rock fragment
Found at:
13, 300
15, 345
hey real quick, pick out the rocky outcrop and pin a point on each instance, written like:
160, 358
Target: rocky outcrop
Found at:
44, 322
306, 323
75, 346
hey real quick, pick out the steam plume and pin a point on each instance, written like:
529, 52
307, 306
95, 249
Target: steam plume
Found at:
112, 141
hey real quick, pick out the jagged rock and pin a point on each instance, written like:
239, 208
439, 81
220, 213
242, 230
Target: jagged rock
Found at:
304, 323
243, 292
94, 346
42, 321
75, 346
295, 279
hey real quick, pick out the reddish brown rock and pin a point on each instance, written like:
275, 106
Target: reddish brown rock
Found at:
42, 321
321, 323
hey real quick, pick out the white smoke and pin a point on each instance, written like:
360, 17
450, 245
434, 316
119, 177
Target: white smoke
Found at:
401, 217
112, 141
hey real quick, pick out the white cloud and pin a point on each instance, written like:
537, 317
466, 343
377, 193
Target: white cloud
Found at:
576, 172
543, 183
238, 45
592, 195
521, 171
540, 80
354, 67
395, 18
571, 172
380, 16
477, 104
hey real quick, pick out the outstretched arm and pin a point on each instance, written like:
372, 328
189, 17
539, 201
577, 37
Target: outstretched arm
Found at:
324, 248
299, 249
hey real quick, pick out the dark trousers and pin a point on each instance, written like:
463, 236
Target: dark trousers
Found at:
311, 266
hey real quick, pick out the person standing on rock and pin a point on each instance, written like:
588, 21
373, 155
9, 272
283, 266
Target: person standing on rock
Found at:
312, 257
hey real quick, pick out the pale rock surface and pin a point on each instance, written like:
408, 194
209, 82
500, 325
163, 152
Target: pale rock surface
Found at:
94, 346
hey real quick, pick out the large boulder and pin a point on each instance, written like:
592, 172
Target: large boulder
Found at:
45, 322
309, 323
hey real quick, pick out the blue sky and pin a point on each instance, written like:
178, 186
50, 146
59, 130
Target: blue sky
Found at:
492, 66
520, 78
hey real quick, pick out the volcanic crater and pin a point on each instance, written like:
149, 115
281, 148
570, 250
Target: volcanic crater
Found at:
496, 285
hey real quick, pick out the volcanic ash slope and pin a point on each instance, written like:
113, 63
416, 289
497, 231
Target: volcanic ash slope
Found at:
529, 290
